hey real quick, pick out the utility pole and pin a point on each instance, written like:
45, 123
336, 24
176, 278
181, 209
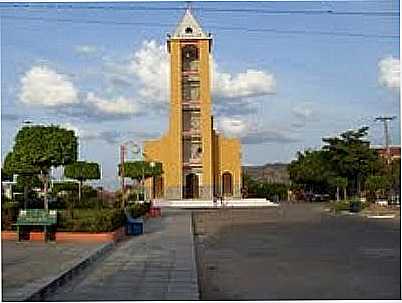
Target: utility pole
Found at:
385, 120
122, 154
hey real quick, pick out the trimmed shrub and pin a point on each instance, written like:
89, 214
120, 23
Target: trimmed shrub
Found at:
65, 187
9, 214
354, 205
91, 220
138, 209
341, 205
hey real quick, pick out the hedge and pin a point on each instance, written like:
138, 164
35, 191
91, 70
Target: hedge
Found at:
90, 220
138, 209
349, 205
9, 214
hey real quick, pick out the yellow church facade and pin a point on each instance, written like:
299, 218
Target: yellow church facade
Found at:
197, 162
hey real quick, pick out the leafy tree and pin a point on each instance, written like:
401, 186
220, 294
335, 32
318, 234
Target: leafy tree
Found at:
394, 175
351, 157
38, 148
377, 185
82, 171
67, 186
138, 170
339, 182
263, 189
5, 176
312, 169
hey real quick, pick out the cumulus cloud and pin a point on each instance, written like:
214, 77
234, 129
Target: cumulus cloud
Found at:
118, 107
86, 49
232, 127
389, 72
251, 83
111, 137
250, 133
42, 86
150, 66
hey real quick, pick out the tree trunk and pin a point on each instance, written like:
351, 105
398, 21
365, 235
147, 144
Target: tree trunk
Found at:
358, 185
25, 196
79, 191
344, 193
337, 193
46, 204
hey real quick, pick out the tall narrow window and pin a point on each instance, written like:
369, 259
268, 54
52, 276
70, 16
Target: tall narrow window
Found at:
189, 57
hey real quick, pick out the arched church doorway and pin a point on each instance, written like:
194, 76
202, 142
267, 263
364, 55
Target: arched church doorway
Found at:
157, 190
227, 188
192, 186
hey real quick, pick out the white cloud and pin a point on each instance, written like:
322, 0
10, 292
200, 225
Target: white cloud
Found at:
42, 86
232, 127
389, 72
268, 136
250, 133
120, 106
150, 66
108, 136
251, 83
86, 49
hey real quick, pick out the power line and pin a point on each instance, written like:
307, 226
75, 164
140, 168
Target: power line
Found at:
227, 28
204, 9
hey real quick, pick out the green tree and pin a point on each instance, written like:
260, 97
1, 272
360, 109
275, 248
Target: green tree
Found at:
394, 175
263, 189
38, 148
82, 171
339, 182
377, 186
351, 157
312, 170
139, 170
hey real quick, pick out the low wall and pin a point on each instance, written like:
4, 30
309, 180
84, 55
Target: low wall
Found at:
211, 204
114, 236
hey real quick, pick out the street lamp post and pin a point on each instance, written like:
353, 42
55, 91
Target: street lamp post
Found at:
152, 165
136, 150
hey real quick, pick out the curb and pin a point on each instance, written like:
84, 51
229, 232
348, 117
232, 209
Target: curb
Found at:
56, 281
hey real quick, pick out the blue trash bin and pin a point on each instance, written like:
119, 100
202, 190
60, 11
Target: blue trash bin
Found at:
134, 228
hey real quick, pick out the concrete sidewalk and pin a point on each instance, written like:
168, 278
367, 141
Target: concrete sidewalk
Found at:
28, 266
159, 265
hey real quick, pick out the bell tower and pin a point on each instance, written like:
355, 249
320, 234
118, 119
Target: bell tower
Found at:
190, 117
197, 162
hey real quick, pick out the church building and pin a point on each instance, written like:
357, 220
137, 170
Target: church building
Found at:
197, 162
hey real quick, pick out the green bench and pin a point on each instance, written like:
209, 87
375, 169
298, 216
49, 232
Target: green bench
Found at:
28, 218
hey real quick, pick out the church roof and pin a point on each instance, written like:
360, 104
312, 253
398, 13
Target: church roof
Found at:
189, 28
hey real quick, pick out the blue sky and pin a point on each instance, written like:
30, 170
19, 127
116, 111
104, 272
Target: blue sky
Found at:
285, 75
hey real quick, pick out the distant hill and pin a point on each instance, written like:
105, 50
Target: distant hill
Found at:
272, 173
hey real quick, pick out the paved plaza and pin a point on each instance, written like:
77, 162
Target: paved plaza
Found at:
159, 265
26, 266
296, 252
